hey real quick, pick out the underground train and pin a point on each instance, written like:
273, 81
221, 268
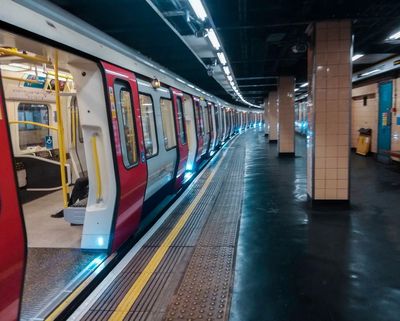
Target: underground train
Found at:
73, 98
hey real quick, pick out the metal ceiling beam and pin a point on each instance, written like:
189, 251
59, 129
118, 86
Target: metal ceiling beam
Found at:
256, 78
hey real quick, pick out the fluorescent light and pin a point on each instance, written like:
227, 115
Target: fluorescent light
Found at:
296, 89
304, 85
226, 70
356, 57
230, 78
213, 38
370, 72
395, 36
198, 9
221, 58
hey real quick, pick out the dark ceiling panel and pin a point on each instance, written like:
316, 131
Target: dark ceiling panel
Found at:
257, 35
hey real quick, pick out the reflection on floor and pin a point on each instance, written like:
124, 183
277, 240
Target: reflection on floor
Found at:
45, 231
296, 262
48, 272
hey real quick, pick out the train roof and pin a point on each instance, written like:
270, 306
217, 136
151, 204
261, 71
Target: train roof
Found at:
49, 21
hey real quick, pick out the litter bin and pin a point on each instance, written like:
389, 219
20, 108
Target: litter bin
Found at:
364, 141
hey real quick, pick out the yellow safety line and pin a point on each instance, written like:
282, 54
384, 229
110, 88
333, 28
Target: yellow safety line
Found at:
129, 299
53, 315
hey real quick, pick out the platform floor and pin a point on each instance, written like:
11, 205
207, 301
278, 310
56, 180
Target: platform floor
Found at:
299, 263
251, 247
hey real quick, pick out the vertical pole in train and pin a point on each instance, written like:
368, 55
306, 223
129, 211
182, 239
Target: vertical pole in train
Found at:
60, 132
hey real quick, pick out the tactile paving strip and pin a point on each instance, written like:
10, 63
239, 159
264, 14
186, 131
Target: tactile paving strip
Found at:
156, 296
205, 291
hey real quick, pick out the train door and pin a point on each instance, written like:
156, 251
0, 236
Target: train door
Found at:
128, 139
384, 119
12, 234
183, 149
206, 126
191, 133
199, 129
211, 121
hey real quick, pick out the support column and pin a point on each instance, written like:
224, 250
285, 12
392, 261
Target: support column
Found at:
286, 116
273, 117
266, 122
329, 108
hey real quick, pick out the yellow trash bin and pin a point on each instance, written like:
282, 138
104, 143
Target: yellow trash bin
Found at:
364, 141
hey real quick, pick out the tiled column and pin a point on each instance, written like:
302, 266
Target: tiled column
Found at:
273, 117
266, 122
329, 111
286, 116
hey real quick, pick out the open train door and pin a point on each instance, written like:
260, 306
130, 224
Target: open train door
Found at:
183, 150
12, 230
131, 167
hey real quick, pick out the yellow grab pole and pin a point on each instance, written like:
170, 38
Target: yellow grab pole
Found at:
73, 125
96, 166
61, 141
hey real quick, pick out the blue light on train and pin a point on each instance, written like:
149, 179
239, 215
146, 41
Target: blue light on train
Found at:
189, 167
100, 241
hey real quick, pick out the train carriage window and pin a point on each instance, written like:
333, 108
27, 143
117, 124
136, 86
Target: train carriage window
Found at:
199, 121
29, 134
168, 123
148, 125
181, 123
123, 100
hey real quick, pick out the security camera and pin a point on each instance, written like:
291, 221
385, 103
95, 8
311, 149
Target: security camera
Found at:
210, 71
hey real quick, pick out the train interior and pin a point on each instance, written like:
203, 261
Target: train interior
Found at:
64, 242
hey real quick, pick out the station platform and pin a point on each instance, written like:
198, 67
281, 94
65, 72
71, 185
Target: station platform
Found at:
244, 243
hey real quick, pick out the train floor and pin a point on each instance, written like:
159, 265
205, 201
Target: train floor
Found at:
44, 231
55, 263
243, 243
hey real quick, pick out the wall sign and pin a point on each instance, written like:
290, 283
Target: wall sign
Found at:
49, 142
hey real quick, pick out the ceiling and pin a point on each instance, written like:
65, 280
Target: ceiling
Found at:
258, 35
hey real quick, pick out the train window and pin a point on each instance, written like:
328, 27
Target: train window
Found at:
181, 123
148, 125
123, 100
168, 123
29, 134
198, 116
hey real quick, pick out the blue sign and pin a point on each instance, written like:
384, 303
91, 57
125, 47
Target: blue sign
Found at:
398, 120
49, 142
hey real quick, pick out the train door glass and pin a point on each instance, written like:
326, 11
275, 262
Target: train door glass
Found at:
384, 119
148, 125
168, 123
181, 123
190, 122
125, 118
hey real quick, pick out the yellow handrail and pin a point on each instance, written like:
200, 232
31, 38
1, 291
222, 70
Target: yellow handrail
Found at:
12, 52
61, 141
31, 81
32, 123
73, 125
96, 162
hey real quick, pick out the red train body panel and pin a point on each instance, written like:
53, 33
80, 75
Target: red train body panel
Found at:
132, 181
12, 233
